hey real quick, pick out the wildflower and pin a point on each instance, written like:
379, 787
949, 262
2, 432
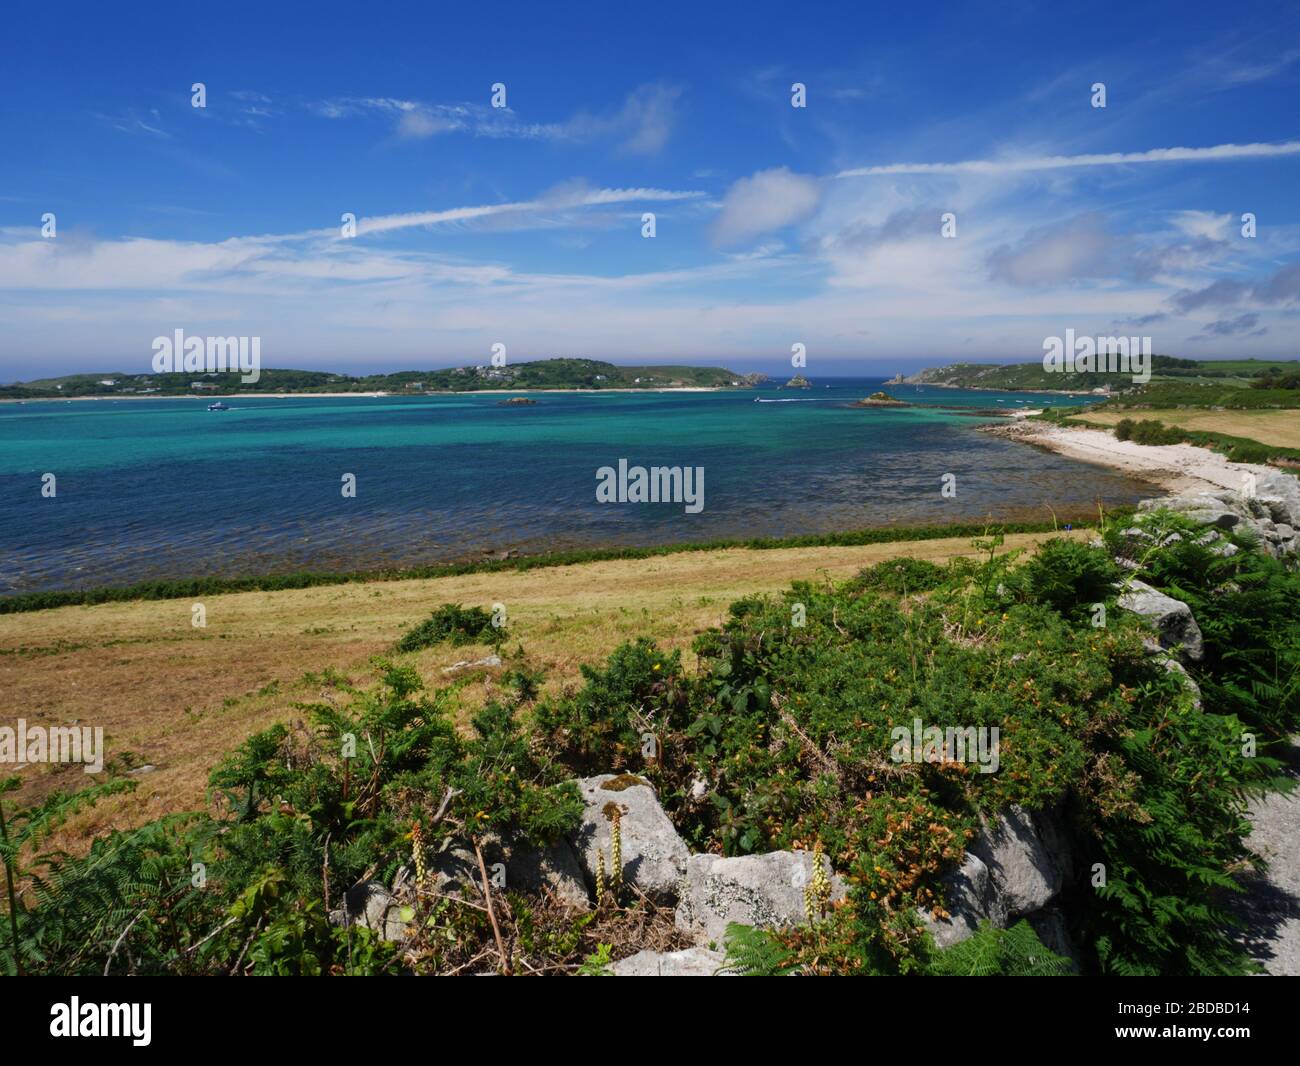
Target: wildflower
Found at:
417, 852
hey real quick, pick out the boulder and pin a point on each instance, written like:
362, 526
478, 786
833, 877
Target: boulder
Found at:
1175, 667
1054, 832
654, 856
371, 905
1280, 492
692, 962
1207, 508
1171, 618
1049, 924
966, 895
765, 891
535, 869
1023, 873
486, 663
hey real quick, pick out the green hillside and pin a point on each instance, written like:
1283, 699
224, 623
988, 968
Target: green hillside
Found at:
541, 374
1174, 382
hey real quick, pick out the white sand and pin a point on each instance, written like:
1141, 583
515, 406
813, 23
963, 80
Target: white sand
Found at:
1175, 467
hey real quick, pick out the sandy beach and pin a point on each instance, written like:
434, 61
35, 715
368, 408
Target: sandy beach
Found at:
1175, 467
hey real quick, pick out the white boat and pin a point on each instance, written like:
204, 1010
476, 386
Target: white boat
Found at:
218, 406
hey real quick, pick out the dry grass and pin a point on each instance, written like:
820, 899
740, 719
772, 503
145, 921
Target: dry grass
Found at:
179, 698
1278, 428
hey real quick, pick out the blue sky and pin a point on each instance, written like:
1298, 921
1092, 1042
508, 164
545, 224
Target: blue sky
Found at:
522, 225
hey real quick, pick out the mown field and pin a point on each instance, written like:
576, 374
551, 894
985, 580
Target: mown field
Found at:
177, 697
1280, 428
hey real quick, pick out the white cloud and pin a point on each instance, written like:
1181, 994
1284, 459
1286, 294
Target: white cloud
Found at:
1079, 248
763, 202
1203, 224
29, 263
1012, 164
642, 124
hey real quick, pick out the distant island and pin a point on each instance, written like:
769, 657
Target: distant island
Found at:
513, 377
1031, 377
798, 382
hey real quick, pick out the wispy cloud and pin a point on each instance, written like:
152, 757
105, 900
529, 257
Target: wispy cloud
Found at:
640, 125
27, 262
135, 122
565, 197
1013, 164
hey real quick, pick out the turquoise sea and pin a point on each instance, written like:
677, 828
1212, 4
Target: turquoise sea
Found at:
166, 489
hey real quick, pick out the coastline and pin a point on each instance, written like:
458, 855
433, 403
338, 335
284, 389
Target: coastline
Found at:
1176, 468
344, 395
990, 388
510, 560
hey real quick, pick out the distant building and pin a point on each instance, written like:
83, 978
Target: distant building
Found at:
203, 385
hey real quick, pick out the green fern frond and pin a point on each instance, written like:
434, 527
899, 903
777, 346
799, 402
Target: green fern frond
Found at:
756, 953
990, 952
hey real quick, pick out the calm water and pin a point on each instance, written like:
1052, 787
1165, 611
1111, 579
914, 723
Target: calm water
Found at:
164, 488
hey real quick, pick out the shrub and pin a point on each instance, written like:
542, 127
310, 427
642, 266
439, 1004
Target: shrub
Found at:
1069, 577
454, 623
1248, 451
899, 576
1153, 431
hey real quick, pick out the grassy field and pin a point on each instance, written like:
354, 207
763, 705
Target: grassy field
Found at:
1280, 428
178, 698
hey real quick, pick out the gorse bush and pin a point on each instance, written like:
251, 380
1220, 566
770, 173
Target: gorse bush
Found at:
899, 576
778, 736
308, 811
453, 624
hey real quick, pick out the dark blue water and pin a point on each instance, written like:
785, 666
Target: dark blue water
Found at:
165, 488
